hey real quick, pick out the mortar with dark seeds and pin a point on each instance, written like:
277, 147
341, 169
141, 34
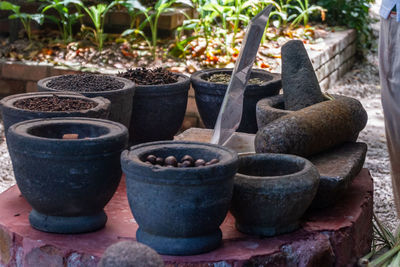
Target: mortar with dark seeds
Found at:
116, 89
21, 107
159, 104
210, 87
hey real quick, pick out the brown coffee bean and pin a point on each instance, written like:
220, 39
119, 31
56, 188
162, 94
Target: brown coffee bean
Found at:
171, 160
199, 162
160, 161
187, 158
151, 159
148, 163
186, 164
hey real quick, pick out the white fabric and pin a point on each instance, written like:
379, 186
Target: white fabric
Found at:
389, 71
387, 6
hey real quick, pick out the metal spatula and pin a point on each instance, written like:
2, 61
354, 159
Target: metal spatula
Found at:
230, 113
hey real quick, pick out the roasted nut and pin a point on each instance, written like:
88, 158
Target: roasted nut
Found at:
160, 161
186, 164
187, 158
211, 162
199, 162
171, 161
151, 159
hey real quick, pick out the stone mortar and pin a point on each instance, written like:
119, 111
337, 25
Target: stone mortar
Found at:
12, 114
67, 182
179, 210
272, 192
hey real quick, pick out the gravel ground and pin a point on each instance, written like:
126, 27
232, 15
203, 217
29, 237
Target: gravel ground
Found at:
6, 172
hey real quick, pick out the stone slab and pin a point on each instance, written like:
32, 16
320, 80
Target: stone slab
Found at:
337, 166
331, 237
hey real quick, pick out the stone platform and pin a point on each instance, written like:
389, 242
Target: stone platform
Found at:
332, 237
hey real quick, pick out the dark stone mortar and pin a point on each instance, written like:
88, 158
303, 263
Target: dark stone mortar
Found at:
299, 82
209, 96
67, 182
269, 109
179, 210
313, 129
12, 114
272, 192
121, 99
130, 254
158, 111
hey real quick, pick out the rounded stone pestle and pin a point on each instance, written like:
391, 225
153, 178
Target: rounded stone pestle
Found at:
313, 129
130, 254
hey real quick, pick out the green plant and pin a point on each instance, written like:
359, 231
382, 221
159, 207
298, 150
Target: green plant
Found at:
353, 14
66, 18
25, 18
198, 27
152, 15
134, 9
97, 14
385, 247
305, 10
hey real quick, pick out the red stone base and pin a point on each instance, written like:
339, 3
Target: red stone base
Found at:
333, 237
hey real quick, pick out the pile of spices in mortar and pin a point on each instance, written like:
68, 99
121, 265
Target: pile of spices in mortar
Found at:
225, 78
143, 76
85, 82
54, 103
185, 162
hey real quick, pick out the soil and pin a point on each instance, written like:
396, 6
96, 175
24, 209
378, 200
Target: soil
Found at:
225, 78
54, 103
143, 76
85, 82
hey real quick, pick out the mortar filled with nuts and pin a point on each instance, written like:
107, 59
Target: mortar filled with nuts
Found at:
179, 193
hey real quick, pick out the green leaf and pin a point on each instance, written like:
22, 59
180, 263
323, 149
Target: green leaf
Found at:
4, 5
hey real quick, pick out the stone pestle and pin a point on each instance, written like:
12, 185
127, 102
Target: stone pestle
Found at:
313, 129
299, 81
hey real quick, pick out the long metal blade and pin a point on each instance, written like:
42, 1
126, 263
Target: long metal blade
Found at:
230, 113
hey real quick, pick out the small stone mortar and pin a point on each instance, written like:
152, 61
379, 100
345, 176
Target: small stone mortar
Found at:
121, 99
12, 114
209, 96
179, 210
272, 192
67, 182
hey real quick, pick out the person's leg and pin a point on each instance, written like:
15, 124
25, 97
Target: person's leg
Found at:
389, 71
